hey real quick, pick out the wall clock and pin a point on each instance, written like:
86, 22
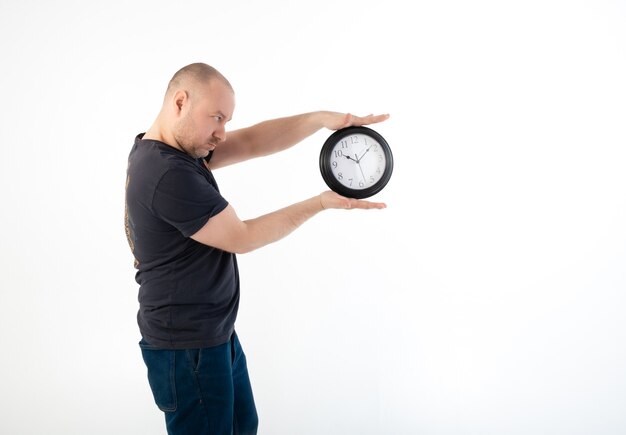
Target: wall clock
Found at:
356, 162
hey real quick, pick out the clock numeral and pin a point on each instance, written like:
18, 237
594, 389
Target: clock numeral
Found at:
338, 153
335, 165
371, 180
339, 176
354, 139
361, 184
350, 180
344, 144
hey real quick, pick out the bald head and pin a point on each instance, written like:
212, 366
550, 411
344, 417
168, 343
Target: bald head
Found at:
194, 77
198, 103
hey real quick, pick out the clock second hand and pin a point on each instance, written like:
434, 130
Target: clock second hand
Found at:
357, 161
362, 174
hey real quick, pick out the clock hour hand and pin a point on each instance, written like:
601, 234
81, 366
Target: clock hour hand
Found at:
350, 158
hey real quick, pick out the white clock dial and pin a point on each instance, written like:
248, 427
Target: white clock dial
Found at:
357, 161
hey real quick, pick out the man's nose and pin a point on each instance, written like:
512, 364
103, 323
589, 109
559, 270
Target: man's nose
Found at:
220, 134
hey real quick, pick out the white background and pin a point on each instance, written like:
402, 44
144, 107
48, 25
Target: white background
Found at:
488, 298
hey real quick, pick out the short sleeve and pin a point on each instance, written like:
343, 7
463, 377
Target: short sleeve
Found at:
185, 199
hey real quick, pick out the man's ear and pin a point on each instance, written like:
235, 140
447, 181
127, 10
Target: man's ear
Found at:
181, 98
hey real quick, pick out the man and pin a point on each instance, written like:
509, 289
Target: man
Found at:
184, 236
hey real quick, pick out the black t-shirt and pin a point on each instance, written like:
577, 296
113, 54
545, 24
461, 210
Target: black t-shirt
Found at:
189, 292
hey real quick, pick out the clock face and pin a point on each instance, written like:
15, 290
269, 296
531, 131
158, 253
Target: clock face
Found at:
356, 162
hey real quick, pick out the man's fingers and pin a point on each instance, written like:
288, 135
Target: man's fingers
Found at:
330, 199
357, 203
373, 119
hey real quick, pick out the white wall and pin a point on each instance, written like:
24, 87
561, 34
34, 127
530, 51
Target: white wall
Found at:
487, 299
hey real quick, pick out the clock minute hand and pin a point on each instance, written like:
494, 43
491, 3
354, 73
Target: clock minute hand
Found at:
362, 155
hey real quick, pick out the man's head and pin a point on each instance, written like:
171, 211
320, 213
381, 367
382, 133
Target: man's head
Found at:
198, 102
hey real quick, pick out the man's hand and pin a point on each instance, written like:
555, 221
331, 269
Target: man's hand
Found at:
336, 120
330, 199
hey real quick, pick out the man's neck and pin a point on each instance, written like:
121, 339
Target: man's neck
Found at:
155, 132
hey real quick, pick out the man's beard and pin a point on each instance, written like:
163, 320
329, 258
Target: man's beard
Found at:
184, 131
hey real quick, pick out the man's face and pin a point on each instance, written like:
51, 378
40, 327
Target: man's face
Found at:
202, 122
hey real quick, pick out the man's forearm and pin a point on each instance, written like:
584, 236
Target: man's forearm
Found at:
274, 226
278, 134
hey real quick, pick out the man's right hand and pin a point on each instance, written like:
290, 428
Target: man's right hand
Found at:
330, 199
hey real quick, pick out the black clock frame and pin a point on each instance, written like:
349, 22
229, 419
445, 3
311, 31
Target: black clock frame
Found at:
326, 169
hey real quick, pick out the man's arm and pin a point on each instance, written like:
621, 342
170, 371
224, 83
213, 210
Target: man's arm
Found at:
276, 135
227, 232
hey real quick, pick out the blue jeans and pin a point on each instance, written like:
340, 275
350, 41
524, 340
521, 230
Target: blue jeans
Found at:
202, 391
